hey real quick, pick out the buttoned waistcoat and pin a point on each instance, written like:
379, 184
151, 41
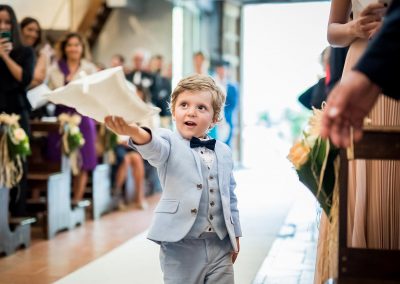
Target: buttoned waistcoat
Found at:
180, 173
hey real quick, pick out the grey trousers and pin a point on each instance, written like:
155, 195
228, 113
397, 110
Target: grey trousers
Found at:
197, 261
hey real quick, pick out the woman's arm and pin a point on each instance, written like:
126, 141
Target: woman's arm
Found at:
5, 49
21, 72
342, 32
39, 74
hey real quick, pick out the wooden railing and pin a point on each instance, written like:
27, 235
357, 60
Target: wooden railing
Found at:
367, 266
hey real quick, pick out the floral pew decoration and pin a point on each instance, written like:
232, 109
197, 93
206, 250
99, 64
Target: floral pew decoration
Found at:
14, 147
106, 143
72, 139
316, 162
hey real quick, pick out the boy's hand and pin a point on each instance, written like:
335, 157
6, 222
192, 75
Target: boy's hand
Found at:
119, 126
235, 254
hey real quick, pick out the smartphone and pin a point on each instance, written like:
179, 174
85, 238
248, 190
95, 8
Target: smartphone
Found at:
385, 2
6, 34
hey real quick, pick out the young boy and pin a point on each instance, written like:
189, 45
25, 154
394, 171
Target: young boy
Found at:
196, 221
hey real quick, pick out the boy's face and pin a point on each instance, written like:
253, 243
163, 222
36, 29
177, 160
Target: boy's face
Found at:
193, 113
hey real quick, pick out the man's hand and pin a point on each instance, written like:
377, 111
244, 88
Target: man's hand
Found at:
348, 103
235, 254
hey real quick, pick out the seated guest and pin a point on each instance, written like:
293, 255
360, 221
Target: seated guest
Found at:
67, 69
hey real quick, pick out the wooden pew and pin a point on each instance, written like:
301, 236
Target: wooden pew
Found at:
360, 265
102, 201
14, 232
54, 179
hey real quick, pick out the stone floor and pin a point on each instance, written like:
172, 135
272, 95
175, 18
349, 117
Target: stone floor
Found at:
291, 259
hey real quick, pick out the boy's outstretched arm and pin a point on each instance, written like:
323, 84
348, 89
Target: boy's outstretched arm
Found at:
119, 126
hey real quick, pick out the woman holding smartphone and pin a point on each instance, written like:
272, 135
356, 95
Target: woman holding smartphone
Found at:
373, 186
16, 69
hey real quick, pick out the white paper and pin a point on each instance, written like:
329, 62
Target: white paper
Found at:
101, 94
38, 96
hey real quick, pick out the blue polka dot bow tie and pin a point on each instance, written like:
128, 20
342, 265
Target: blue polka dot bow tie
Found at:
196, 142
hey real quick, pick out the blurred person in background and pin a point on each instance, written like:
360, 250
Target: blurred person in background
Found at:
139, 75
161, 90
31, 33
65, 70
127, 156
199, 63
225, 129
16, 71
119, 60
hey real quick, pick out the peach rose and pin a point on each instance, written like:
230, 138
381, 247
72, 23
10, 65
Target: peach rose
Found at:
298, 154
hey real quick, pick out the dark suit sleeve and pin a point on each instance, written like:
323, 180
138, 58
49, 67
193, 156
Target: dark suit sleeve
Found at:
381, 61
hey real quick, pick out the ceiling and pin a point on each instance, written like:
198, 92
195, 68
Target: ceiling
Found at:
276, 1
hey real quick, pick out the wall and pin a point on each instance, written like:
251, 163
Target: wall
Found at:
126, 31
52, 14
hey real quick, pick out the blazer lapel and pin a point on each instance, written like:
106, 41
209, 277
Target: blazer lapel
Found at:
195, 155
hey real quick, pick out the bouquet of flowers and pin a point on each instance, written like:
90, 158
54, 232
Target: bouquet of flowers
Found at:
14, 147
105, 144
72, 138
316, 162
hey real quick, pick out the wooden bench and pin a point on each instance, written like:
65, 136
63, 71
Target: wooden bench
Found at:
53, 178
359, 265
14, 232
102, 201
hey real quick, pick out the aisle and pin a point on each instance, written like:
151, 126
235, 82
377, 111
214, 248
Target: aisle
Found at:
263, 203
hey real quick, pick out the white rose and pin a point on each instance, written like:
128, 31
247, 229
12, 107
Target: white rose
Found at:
74, 130
310, 140
19, 134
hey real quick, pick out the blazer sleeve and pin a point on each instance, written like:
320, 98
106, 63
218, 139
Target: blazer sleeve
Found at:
157, 150
381, 61
234, 209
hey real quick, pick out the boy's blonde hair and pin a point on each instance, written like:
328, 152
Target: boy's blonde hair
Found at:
200, 83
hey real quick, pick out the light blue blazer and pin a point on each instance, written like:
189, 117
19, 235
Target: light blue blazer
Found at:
179, 170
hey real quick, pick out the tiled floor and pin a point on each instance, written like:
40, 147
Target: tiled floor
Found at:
291, 259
